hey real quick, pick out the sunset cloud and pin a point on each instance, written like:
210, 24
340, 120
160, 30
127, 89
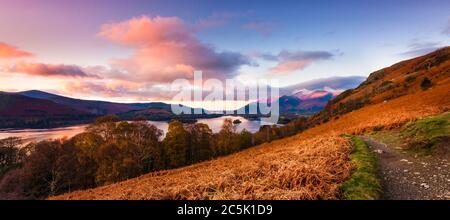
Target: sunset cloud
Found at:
291, 61
166, 49
49, 70
8, 51
119, 90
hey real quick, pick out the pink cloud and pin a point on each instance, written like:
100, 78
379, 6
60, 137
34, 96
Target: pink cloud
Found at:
49, 70
292, 61
8, 51
121, 90
290, 66
166, 49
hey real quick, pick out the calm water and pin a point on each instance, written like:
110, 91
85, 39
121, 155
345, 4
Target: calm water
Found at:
29, 135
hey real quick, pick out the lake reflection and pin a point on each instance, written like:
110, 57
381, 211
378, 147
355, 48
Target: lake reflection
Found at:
29, 135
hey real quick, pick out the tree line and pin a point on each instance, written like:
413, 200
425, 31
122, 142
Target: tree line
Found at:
111, 150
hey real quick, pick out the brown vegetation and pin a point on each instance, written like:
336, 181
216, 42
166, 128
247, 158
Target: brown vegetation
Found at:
291, 168
310, 165
404, 78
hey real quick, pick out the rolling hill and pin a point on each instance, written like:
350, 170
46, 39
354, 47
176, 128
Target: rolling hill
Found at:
157, 111
21, 111
93, 107
309, 165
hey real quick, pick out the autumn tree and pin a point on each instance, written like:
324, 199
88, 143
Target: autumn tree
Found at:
176, 144
226, 141
145, 139
11, 155
245, 139
104, 126
110, 164
200, 143
87, 145
50, 168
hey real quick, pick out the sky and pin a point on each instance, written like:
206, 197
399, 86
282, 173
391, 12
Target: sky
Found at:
132, 50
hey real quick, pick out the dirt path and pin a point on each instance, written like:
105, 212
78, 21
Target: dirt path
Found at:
407, 177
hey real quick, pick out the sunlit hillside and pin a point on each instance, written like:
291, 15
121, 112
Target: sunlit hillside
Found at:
309, 165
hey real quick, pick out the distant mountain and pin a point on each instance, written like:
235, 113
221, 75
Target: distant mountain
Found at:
159, 111
302, 102
310, 97
93, 107
303, 98
18, 111
151, 105
20, 107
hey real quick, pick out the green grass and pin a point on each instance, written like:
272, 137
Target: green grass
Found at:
364, 183
422, 137
425, 135
431, 127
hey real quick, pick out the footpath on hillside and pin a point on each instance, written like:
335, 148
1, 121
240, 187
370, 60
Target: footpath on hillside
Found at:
406, 177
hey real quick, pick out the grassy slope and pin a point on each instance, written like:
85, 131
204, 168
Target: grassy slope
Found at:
292, 168
364, 183
310, 165
423, 137
398, 80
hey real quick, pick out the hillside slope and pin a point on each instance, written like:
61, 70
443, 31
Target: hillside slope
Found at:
12, 105
403, 78
21, 111
157, 111
91, 106
298, 172
309, 165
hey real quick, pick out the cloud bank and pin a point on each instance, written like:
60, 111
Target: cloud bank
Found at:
49, 70
290, 61
166, 49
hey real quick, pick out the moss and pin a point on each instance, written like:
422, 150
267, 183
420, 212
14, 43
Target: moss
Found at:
364, 183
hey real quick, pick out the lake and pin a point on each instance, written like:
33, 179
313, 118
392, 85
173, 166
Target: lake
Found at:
29, 135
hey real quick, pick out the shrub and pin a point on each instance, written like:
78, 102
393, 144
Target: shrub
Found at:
426, 83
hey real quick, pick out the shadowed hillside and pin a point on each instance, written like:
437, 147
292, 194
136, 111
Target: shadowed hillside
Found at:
93, 107
21, 111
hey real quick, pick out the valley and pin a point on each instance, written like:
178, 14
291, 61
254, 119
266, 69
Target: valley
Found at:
315, 163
